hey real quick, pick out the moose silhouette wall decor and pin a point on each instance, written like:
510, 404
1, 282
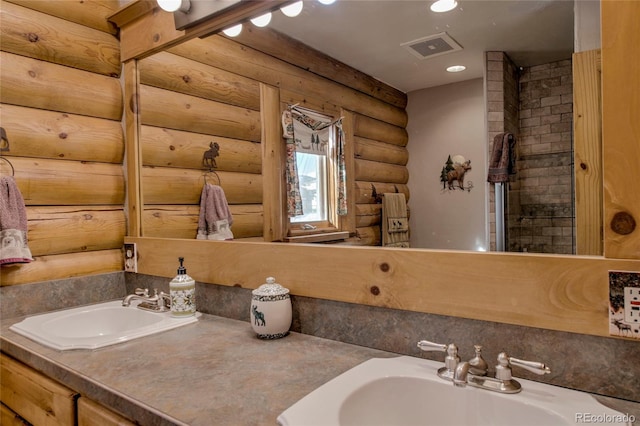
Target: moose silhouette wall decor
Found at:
454, 170
209, 156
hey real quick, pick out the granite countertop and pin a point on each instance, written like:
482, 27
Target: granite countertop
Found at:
215, 371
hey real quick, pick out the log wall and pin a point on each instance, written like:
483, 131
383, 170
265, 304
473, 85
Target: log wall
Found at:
208, 90
62, 109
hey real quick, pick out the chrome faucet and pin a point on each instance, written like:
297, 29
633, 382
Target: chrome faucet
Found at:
503, 381
159, 302
475, 371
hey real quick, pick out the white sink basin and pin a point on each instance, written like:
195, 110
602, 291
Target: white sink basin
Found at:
95, 326
407, 391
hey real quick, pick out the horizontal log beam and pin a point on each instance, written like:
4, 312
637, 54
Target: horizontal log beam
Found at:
41, 36
175, 148
368, 149
48, 134
91, 14
181, 221
239, 59
182, 75
370, 128
38, 84
167, 109
368, 214
290, 50
58, 230
164, 185
382, 172
61, 266
364, 190
45, 182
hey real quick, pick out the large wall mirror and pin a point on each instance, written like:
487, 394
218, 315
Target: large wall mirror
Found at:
411, 124
556, 292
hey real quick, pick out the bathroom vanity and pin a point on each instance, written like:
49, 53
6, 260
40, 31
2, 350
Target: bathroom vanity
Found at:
214, 371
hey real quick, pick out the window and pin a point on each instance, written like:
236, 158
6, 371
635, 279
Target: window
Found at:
316, 180
312, 176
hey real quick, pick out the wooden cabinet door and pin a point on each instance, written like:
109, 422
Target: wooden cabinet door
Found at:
35, 397
91, 413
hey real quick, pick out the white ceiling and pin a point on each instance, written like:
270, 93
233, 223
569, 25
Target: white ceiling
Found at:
367, 35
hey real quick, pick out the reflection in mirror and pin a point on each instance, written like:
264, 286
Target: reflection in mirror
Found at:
215, 89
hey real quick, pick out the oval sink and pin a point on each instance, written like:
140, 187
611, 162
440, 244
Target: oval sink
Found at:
95, 326
409, 395
406, 391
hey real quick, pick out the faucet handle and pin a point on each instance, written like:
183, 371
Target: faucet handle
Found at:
503, 369
426, 345
450, 361
538, 368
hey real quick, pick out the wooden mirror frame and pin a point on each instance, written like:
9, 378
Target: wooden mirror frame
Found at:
565, 293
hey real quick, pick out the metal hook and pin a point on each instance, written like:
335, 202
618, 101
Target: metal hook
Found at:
13, 171
205, 174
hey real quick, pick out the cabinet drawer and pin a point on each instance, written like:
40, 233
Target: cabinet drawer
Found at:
91, 413
35, 397
10, 418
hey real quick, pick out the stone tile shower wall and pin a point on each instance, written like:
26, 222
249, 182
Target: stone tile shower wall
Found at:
536, 105
502, 116
542, 220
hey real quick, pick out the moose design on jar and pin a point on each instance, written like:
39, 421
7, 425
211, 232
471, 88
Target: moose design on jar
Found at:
271, 310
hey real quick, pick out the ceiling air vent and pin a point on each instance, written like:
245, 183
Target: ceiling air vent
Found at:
431, 46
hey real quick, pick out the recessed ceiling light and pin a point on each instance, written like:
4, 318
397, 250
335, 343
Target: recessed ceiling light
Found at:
456, 68
444, 5
327, 1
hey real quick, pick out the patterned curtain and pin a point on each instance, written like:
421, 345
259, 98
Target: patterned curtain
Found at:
294, 199
342, 171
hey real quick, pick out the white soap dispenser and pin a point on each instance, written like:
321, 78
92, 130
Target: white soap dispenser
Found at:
182, 290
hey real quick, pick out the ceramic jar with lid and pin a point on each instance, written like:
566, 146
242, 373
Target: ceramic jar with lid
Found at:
271, 310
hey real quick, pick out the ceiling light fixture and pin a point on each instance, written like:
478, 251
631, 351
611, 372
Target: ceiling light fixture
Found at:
327, 1
233, 31
262, 20
292, 10
443, 5
175, 5
456, 68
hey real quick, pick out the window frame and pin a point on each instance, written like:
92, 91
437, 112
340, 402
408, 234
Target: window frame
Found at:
329, 229
273, 102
